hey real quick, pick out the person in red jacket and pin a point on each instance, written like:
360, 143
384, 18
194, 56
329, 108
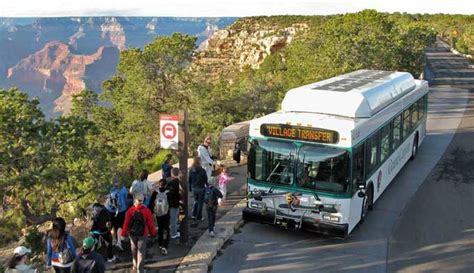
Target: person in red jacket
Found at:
139, 223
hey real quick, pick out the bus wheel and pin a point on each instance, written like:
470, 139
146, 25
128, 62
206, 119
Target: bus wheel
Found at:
414, 148
367, 204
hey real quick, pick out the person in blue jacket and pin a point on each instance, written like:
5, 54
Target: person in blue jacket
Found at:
61, 251
116, 205
166, 167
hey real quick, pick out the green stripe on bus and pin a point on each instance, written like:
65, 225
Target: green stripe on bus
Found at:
295, 188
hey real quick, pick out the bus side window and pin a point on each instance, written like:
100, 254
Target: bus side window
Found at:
372, 153
358, 165
421, 108
396, 132
414, 114
385, 143
406, 123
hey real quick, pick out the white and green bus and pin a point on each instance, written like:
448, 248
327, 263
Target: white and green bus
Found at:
323, 160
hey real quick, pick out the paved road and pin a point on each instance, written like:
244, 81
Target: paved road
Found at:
262, 248
436, 233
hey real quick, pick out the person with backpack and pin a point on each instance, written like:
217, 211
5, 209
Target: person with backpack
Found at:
159, 205
166, 167
116, 205
197, 183
211, 197
61, 251
17, 263
173, 199
88, 260
138, 225
142, 186
101, 226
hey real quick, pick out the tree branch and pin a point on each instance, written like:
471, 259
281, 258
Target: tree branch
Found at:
76, 198
32, 219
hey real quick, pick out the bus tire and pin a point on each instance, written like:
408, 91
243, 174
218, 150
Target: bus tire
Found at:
371, 200
367, 204
414, 148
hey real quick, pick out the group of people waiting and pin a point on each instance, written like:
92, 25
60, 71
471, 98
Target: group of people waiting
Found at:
137, 213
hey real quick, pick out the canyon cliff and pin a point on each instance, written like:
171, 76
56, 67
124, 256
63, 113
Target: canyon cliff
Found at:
59, 73
55, 58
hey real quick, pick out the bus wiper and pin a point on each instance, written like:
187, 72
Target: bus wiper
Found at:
286, 169
315, 181
273, 172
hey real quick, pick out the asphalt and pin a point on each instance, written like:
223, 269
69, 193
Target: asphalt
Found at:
436, 232
384, 241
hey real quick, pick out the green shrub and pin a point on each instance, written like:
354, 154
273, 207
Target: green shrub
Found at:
154, 164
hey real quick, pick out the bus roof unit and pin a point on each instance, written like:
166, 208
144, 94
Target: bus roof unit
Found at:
359, 94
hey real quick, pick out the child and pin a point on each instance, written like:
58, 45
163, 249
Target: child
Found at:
224, 178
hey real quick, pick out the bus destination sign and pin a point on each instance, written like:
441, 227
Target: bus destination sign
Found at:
299, 133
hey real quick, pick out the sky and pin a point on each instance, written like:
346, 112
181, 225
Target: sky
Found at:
221, 8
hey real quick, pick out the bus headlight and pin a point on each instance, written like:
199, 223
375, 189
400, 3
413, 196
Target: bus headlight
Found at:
257, 205
331, 218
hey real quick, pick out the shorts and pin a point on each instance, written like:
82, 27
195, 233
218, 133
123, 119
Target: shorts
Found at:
117, 219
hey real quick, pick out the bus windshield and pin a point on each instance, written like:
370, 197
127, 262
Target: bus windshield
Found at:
272, 161
323, 168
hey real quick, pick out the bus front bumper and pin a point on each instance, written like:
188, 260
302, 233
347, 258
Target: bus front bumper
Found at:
310, 224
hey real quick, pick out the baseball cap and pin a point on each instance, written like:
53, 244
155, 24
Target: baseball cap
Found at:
139, 196
88, 243
21, 250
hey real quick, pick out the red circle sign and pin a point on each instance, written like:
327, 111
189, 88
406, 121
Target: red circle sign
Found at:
168, 131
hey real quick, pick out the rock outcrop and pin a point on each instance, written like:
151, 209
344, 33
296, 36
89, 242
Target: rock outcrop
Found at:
234, 48
114, 31
55, 70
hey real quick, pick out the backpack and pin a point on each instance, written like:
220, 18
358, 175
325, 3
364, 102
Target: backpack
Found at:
139, 187
137, 224
161, 204
210, 198
96, 209
113, 201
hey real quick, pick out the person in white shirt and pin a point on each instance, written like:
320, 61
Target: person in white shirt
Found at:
204, 153
18, 262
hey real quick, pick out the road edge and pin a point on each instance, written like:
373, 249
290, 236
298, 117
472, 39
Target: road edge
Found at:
205, 250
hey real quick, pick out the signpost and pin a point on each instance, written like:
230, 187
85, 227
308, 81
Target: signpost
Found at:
174, 135
169, 132
183, 168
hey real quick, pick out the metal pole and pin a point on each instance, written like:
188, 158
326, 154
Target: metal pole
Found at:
183, 167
